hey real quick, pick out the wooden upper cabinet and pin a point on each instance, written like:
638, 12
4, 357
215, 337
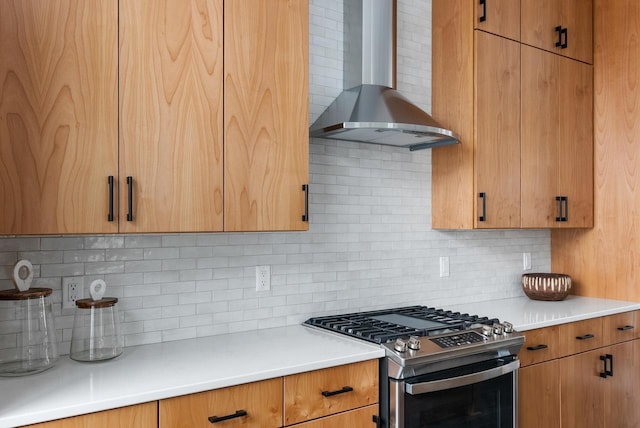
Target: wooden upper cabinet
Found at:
501, 17
497, 131
171, 132
58, 115
266, 146
557, 141
564, 27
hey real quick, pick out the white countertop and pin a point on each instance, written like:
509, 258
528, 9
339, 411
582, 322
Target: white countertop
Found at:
153, 372
526, 314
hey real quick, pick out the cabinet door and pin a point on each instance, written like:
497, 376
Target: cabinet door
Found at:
501, 17
539, 395
557, 141
261, 403
139, 416
582, 389
540, 18
364, 417
266, 150
171, 115
497, 131
58, 115
621, 390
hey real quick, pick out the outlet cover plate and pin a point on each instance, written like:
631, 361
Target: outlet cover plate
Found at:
72, 290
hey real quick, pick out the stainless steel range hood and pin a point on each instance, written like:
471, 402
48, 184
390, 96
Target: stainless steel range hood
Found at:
371, 111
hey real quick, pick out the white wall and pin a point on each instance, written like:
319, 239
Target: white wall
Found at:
370, 242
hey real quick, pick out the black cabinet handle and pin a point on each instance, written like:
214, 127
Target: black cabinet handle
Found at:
563, 37
559, 31
537, 347
483, 196
237, 414
483, 17
130, 198
607, 372
305, 189
377, 421
563, 208
585, 337
110, 215
626, 327
340, 391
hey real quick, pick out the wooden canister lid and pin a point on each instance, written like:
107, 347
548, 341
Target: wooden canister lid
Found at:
105, 302
32, 293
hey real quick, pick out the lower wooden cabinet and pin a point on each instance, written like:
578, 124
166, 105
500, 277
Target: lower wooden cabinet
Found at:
256, 404
582, 374
138, 416
364, 417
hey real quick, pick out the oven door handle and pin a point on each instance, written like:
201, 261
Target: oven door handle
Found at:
454, 382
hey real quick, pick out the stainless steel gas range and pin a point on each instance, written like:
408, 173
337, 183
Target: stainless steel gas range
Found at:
442, 368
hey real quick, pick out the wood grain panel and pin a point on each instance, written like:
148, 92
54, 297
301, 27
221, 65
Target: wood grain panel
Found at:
497, 130
502, 17
541, 17
303, 399
621, 408
536, 339
539, 396
58, 115
138, 416
261, 400
569, 333
604, 262
620, 327
359, 418
171, 64
266, 114
582, 390
452, 193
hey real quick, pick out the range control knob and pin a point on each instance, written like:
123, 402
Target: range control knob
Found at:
498, 329
414, 343
487, 330
508, 327
400, 345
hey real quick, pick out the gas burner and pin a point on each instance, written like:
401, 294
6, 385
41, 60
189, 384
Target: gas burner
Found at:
387, 325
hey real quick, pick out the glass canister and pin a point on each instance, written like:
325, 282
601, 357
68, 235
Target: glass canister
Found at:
96, 327
30, 331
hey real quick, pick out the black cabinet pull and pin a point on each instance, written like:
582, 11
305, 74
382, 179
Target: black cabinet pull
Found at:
305, 189
130, 198
377, 421
483, 17
563, 208
237, 414
340, 391
626, 327
110, 215
483, 196
537, 347
603, 373
565, 32
609, 358
559, 31
585, 336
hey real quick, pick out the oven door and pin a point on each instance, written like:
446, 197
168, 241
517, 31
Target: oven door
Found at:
480, 395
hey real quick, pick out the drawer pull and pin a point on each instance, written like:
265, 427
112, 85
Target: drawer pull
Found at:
237, 414
537, 347
626, 327
340, 391
585, 337
604, 359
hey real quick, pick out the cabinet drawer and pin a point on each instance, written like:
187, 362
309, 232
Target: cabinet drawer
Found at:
262, 402
324, 392
141, 415
539, 345
580, 336
620, 327
359, 418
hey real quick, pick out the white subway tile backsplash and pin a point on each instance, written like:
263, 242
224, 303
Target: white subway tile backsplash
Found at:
369, 244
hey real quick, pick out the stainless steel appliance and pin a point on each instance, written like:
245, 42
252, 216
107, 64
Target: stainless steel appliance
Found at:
442, 368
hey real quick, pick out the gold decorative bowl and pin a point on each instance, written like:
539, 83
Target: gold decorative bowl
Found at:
546, 286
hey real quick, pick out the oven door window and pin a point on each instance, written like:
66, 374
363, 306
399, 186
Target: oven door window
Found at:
483, 404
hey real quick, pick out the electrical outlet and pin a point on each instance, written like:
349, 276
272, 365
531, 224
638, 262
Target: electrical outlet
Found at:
72, 290
444, 266
526, 261
263, 278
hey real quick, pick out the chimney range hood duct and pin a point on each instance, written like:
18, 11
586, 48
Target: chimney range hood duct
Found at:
371, 111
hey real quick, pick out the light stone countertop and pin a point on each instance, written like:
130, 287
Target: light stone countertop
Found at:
152, 372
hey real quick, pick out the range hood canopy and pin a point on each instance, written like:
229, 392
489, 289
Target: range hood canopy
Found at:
371, 111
